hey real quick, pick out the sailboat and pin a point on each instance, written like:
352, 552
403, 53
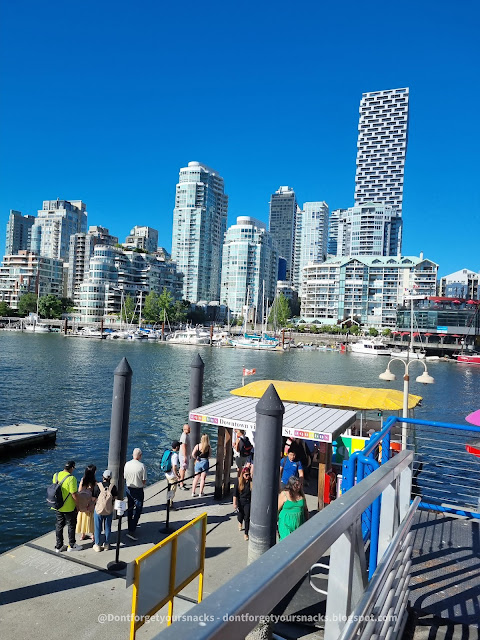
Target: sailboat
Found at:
34, 326
261, 342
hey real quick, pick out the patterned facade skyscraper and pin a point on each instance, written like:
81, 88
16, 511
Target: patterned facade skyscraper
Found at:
199, 225
382, 147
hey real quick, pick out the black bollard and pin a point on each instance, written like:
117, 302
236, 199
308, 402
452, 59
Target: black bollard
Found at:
117, 450
196, 394
266, 476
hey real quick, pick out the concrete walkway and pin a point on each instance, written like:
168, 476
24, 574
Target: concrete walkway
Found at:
56, 596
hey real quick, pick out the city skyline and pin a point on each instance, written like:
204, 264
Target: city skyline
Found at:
131, 121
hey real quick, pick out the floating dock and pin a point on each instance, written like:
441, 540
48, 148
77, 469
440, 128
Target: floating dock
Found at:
22, 435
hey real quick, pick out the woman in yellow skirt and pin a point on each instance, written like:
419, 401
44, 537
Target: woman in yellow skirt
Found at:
86, 503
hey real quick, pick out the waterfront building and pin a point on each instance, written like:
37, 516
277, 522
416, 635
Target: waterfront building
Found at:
311, 239
144, 238
461, 284
27, 272
282, 221
19, 229
55, 223
116, 273
249, 266
370, 229
80, 252
365, 288
382, 147
333, 231
199, 225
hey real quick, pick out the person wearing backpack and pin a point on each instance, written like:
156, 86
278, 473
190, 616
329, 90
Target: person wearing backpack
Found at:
67, 512
243, 449
105, 493
171, 466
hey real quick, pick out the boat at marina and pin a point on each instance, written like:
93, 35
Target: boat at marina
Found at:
473, 358
36, 327
408, 353
261, 342
370, 348
189, 336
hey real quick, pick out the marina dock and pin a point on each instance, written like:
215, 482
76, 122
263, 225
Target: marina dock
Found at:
23, 435
46, 594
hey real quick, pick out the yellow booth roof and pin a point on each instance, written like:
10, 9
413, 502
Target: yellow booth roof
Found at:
331, 395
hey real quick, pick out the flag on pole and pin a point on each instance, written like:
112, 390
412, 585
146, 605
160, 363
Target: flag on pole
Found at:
248, 372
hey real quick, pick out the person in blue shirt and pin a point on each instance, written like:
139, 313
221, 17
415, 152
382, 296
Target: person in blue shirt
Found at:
289, 467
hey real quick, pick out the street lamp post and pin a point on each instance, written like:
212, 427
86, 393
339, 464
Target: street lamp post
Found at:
424, 378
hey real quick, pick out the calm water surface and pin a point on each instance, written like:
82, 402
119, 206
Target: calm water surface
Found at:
67, 383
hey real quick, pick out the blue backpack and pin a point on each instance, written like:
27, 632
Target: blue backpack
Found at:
166, 463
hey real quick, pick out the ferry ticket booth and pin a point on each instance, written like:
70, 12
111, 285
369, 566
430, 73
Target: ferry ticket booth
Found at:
320, 425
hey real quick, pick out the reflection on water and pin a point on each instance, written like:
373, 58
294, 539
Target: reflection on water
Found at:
67, 383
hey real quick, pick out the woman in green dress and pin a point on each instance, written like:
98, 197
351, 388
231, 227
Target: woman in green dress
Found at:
292, 507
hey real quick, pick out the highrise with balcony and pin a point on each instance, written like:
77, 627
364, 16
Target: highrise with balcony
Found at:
249, 267
369, 230
382, 147
199, 225
282, 222
81, 250
19, 229
142, 238
56, 222
311, 239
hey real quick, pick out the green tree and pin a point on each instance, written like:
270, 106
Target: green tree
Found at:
5, 310
387, 332
165, 304
50, 306
373, 332
151, 308
128, 311
67, 305
294, 307
239, 321
27, 304
280, 312
179, 311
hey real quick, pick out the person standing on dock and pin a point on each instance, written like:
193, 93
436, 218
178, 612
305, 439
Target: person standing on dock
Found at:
173, 475
289, 467
67, 513
135, 475
184, 455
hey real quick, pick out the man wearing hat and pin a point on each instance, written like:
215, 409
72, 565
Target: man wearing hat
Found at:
105, 493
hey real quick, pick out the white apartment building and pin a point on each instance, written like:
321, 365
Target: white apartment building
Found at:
55, 223
80, 252
282, 221
461, 284
311, 239
370, 229
199, 225
382, 147
144, 238
26, 272
366, 288
249, 267
115, 273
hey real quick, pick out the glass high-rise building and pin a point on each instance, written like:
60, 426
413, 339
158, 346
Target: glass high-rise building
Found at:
199, 225
382, 147
311, 239
19, 228
249, 267
370, 229
283, 212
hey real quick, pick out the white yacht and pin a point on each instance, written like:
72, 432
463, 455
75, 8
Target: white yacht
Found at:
189, 336
410, 354
370, 348
36, 327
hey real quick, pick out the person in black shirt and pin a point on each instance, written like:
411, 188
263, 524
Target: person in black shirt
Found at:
242, 498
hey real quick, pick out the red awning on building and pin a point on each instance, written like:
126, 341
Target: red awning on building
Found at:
428, 334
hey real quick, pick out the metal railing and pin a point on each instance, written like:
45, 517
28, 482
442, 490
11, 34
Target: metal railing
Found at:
445, 476
238, 606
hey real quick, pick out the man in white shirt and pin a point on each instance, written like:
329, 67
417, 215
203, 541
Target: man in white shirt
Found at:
184, 453
173, 475
135, 476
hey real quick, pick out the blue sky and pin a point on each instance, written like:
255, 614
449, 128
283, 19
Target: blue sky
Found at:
105, 101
